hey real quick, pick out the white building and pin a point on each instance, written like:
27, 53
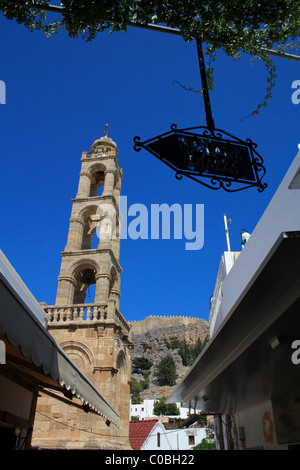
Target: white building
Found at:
174, 439
186, 438
150, 434
145, 410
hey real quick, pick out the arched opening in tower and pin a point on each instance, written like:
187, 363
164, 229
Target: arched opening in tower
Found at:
85, 286
90, 237
97, 183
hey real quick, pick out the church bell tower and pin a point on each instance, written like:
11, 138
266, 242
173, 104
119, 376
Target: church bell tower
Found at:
85, 320
91, 256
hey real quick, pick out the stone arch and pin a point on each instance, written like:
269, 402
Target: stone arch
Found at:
83, 262
120, 381
84, 275
79, 353
97, 177
96, 166
121, 360
90, 221
121, 374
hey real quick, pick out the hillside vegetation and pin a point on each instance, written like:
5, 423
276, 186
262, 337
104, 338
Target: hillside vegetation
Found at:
164, 349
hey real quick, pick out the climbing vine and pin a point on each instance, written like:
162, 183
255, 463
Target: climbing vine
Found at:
239, 27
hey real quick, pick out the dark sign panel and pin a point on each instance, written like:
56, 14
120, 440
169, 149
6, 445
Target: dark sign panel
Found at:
208, 155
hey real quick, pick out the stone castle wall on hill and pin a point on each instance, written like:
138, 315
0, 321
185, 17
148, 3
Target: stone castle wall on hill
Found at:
153, 322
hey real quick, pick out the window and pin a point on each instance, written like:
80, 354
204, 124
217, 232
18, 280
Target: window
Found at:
191, 440
158, 439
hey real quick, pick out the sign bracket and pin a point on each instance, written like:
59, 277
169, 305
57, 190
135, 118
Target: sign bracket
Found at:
207, 106
213, 154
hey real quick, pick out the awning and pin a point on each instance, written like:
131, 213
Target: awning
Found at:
239, 367
33, 352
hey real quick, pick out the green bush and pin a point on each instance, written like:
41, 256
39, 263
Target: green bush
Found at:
161, 408
204, 445
141, 364
165, 372
187, 351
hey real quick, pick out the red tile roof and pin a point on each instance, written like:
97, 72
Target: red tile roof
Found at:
139, 431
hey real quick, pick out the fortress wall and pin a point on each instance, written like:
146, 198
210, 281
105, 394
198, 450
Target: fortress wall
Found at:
153, 322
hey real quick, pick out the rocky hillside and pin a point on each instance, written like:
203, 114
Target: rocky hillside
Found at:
150, 338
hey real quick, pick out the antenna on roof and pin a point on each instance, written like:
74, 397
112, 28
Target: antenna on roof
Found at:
244, 236
226, 222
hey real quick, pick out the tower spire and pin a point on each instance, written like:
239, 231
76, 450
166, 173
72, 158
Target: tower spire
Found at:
106, 130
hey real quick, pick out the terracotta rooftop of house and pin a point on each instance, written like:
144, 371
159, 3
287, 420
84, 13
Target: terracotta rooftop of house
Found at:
139, 431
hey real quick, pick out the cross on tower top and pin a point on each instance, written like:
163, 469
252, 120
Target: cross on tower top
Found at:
106, 130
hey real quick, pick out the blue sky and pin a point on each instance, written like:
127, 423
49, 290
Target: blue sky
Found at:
60, 93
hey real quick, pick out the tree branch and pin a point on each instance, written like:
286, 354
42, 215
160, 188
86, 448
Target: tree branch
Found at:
151, 27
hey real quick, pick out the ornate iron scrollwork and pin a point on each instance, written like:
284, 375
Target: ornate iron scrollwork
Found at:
213, 157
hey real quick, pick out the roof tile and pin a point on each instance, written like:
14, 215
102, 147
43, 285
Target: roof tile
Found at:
139, 431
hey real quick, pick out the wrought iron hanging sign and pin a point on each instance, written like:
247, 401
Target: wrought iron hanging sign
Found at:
215, 156
203, 152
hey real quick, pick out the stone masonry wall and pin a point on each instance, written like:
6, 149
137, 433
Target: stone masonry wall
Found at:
153, 322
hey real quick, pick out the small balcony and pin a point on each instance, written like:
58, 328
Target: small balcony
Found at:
86, 314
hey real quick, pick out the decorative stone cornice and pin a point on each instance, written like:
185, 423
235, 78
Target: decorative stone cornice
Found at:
85, 173
113, 370
67, 277
110, 170
94, 198
76, 218
84, 255
103, 276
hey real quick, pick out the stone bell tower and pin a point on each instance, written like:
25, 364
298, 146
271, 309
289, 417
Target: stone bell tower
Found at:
92, 331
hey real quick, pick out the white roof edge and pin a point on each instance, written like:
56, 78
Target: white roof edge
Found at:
13, 281
286, 202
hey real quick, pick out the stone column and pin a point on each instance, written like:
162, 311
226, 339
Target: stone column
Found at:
115, 292
65, 290
115, 241
102, 288
84, 186
75, 234
109, 183
111, 307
